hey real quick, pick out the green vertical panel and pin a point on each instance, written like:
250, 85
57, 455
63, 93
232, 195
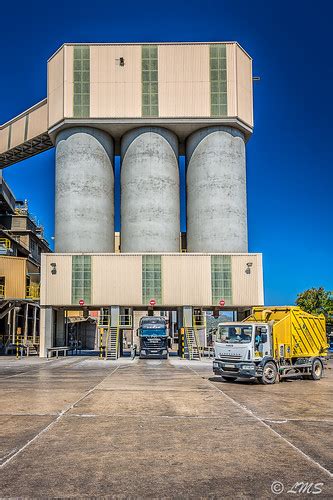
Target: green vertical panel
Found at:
221, 279
218, 80
151, 278
81, 278
81, 79
149, 75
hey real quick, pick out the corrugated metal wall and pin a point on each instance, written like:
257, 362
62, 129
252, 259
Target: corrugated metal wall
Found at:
14, 269
115, 91
183, 81
55, 86
186, 280
116, 279
56, 288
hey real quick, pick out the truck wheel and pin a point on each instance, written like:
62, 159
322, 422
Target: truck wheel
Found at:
316, 370
228, 379
269, 374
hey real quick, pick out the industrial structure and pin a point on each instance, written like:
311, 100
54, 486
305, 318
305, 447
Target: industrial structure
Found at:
148, 103
21, 246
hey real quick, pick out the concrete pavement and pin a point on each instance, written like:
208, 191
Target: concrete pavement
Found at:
83, 427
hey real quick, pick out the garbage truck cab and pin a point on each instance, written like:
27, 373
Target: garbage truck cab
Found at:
153, 337
271, 344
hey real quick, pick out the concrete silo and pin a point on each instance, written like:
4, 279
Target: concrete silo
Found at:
84, 194
150, 206
216, 191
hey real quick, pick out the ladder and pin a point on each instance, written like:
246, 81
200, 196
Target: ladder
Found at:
112, 343
191, 343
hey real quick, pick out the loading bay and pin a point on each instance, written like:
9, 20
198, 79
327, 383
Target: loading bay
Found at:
77, 427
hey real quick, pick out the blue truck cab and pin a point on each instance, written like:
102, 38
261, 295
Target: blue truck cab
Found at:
153, 337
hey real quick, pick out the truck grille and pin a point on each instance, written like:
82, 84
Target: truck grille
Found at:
230, 357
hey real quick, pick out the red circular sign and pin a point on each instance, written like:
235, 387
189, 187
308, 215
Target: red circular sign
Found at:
81, 302
152, 302
222, 302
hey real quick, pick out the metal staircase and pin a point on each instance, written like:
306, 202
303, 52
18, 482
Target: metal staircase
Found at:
192, 348
112, 344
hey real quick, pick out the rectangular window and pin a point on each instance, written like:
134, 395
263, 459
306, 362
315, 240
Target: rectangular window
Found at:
151, 279
149, 80
81, 86
218, 80
221, 279
81, 278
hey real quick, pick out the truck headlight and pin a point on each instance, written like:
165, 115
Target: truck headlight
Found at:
215, 365
248, 367
143, 351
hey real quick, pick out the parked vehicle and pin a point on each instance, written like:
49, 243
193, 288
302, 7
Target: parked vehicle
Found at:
153, 337
270, 344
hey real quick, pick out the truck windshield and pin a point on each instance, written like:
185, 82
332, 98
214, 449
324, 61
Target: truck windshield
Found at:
152, 321
238, 334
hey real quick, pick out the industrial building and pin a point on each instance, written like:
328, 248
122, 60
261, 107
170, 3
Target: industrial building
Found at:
21, 245
149, 104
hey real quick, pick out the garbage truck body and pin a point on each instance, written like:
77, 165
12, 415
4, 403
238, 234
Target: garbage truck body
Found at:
270, 344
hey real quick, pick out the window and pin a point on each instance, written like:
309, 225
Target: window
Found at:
221, 279
151, 278
81, 278
81, 91
149, 81
218, 80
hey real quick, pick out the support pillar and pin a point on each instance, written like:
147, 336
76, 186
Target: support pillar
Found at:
46, 330
34, 324
115, 312
60, 328
187, 316
26, 313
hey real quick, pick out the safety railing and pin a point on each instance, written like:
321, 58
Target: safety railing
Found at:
199, 320
125, 321
5, 242
2, 291
32, 292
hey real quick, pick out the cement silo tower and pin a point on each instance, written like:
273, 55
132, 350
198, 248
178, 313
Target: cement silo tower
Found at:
147, 103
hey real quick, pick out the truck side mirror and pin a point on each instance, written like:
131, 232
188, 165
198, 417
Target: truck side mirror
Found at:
264, 338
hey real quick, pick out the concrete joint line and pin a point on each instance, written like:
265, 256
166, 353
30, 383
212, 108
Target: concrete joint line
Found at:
262, 421
49, 426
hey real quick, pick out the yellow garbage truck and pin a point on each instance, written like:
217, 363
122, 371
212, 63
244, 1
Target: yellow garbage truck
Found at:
271, 344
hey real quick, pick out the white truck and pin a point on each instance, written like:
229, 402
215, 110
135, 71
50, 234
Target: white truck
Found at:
270, 344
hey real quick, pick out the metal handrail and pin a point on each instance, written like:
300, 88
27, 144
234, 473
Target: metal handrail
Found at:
2, 291
5, 242
125, 320
32, 291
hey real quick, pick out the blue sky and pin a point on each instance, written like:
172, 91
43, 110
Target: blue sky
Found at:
289, 157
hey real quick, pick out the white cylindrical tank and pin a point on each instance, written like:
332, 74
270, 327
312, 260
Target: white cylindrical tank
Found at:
150, 205
216, 191
84, 191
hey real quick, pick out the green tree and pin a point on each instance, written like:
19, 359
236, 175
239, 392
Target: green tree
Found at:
316, 301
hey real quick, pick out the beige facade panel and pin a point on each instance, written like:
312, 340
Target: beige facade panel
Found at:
116, 279
37, 122
186, 280
55, 85
247, 288
56, 288
13, 269
115, 91
231, 79
244, 86
17, 132
68, 80
4, 135
183, 81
